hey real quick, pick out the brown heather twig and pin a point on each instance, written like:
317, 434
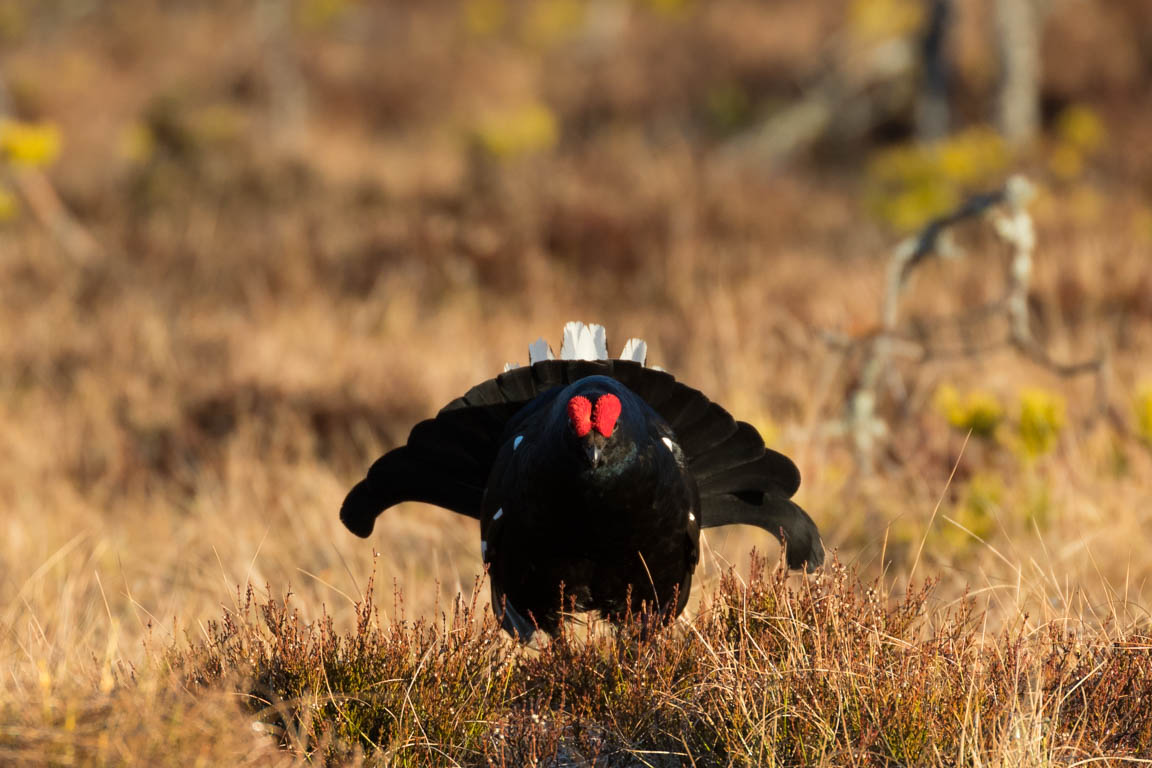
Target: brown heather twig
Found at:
769, 672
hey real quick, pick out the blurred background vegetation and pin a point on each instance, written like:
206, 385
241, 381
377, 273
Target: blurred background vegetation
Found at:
244, 246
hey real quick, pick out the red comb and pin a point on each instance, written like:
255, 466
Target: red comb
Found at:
605, 413
580, 415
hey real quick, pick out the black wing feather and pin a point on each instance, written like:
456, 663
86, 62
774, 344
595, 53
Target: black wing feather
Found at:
517, 385
398, 476
485, 393
744, 446
780, 516
658, 388
758, 474
741, 481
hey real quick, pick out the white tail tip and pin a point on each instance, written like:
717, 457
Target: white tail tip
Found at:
584, 342
635, 350
539, 351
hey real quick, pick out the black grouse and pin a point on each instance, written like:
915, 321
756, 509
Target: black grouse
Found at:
591, 478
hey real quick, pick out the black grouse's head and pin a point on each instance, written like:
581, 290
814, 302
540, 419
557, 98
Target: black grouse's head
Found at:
601, 416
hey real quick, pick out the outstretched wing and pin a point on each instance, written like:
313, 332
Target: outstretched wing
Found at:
446, 462
448, 459
740, 479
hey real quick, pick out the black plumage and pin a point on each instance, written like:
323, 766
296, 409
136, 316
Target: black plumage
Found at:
606, 507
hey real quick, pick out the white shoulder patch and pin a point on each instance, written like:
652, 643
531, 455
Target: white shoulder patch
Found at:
669, 444
516, 441
499, 514
538, 351
635, 350
510, 367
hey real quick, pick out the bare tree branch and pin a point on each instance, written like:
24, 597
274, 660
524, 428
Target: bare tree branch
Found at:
1007, 208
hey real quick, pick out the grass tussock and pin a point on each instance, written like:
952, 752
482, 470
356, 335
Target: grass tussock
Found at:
771, 671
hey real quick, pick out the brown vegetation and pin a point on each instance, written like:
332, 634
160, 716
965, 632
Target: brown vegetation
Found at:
310, 229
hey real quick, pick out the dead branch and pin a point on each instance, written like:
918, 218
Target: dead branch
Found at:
1007, 209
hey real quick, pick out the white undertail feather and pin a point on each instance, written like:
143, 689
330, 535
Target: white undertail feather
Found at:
635, 350
600, 340
584, 342
539, 351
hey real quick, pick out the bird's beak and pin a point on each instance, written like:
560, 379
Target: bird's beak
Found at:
594, 452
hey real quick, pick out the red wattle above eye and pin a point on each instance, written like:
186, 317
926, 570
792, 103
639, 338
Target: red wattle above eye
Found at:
605, 414
580, 415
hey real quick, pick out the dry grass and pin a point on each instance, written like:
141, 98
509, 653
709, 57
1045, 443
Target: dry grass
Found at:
284, 287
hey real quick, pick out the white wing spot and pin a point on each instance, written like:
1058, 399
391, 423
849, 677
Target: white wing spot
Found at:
691, 517
498, 515
484, 549
516, 442
668, 442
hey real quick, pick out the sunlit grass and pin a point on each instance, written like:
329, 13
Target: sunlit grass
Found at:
181, 417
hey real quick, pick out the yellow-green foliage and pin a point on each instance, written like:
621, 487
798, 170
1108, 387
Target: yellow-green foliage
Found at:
1079, 134
977, 411
29, 144
977, 512
728, 105
216, 124
1038, 509
9, 207
137, 142
13, 21
316, 14
484, 17
912, 183
876, 20
1142, 225
668, 7
553, 21
1041, 419
522, 131
1144, 414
